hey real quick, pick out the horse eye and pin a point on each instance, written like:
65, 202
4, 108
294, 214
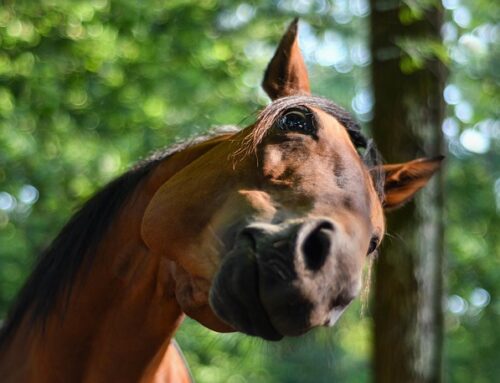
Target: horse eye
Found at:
297, 120
373, 245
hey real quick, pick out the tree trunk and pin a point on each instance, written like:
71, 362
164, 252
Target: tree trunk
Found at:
407, 120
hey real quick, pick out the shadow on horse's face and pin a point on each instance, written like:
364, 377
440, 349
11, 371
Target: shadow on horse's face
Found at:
293, 259
266, 231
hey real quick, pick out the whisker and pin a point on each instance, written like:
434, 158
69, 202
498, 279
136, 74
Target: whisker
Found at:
365, 292
215, 236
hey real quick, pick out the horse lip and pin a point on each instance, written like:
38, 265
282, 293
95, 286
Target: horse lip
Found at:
262, 327
259, 322
335, 314
277, 335
273, 336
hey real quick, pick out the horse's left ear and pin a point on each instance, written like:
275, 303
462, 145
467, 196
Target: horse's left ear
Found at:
286, 74
402, 181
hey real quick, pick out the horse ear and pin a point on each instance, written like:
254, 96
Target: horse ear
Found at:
402, 181
286, 73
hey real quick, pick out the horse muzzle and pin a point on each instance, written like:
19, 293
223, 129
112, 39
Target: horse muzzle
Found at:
283, 280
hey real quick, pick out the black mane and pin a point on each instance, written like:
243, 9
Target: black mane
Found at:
58, 265
56, 268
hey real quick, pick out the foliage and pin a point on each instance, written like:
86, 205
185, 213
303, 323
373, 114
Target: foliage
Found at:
472, 130
89, 87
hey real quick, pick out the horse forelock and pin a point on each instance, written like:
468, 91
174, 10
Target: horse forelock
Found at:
365, 147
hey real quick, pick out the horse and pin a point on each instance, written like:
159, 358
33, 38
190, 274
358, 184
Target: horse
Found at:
263, 230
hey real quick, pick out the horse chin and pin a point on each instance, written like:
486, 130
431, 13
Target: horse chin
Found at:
207, 318
235, 298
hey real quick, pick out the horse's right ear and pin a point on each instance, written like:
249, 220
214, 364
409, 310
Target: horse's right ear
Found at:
286, 74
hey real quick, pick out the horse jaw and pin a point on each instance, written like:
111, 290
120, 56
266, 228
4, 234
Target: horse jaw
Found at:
191, 293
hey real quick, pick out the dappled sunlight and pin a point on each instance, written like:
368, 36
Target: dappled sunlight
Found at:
474, 141
88, 88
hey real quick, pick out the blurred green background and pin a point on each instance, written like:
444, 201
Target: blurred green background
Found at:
89, 87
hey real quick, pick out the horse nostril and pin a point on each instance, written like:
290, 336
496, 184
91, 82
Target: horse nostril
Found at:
248, 235
316, 245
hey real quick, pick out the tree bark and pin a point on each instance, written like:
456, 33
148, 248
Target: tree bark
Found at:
408, 113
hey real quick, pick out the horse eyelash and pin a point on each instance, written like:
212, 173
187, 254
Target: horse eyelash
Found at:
307, 113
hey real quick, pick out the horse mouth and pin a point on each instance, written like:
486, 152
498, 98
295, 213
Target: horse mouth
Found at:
235, 297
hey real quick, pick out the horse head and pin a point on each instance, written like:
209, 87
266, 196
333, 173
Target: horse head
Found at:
269, 229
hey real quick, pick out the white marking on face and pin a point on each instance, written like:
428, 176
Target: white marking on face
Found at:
334, 315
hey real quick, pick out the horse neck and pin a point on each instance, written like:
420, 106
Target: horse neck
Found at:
122, 314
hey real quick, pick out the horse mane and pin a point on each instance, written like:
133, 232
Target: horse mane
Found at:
56, 268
